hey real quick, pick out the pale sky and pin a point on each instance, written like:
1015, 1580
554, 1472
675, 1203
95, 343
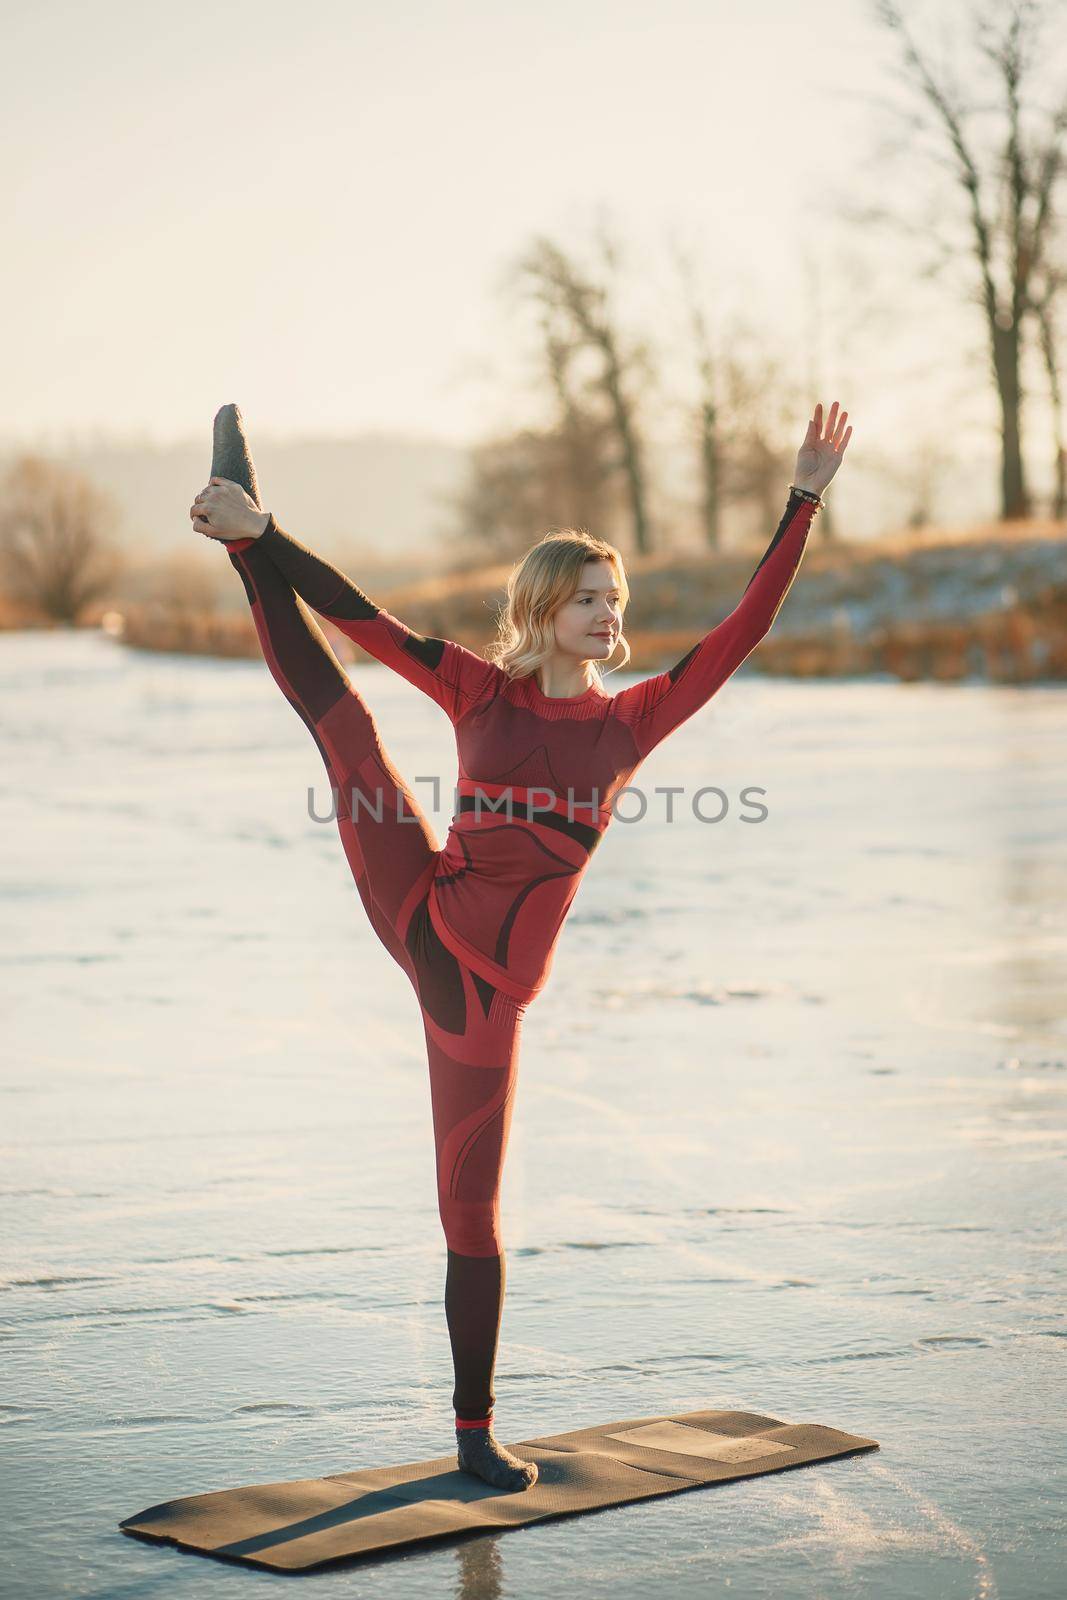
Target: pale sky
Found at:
307, 208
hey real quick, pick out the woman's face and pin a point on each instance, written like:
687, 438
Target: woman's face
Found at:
588, 624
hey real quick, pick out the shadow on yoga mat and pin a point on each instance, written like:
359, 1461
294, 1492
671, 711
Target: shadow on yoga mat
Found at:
291, 1527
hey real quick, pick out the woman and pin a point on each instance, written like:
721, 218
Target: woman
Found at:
543, 749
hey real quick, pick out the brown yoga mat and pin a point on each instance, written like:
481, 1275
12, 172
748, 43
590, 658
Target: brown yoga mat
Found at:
290, 1527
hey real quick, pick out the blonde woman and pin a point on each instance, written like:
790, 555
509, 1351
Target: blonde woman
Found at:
543, 749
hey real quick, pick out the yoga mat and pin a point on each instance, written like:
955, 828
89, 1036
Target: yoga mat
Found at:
290, 1527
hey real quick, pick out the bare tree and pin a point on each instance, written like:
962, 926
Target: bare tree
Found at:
572, 302
1045, 311
743, 400
585, 444
707, 417
55, 554
1009, 233
520, 484
758, 411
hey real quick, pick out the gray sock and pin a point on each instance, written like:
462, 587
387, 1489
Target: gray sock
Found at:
230, 455
481, 1453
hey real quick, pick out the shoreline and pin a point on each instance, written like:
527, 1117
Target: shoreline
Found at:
985, 604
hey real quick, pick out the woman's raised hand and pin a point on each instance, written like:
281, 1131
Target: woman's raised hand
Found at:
223, 510
820, 455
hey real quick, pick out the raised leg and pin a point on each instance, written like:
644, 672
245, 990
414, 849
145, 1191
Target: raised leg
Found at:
387, 839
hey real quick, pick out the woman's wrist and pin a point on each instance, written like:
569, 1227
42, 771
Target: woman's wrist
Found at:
806, 493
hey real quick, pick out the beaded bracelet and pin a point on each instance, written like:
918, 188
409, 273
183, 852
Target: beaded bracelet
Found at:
806, 494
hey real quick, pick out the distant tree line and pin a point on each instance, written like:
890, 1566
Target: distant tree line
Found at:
589, 464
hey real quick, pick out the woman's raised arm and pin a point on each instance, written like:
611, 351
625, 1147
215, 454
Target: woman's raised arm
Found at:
455, 677
654, 708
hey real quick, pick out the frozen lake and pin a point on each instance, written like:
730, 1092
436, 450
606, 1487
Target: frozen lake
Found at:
789, 1138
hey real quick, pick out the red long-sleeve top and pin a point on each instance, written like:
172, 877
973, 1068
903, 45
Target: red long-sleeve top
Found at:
537, 774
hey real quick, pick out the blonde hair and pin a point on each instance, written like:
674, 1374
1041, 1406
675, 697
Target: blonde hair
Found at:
548, 575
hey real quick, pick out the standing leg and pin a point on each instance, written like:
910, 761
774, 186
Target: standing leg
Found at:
473, 1033
388, 841
472, 1029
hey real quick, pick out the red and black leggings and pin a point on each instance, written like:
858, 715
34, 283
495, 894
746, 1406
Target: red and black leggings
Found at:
472, 1029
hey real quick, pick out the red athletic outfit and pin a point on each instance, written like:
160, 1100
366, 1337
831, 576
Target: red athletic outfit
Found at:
475, 924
